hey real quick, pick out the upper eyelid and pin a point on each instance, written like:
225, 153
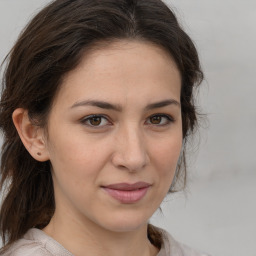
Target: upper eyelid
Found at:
85, 118
94, 115
163, 115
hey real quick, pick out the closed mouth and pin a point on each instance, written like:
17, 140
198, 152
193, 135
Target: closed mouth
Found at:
127, 193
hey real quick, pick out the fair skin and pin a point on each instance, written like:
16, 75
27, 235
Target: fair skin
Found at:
133, 90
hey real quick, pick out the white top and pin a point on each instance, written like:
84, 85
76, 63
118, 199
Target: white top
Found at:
36, 243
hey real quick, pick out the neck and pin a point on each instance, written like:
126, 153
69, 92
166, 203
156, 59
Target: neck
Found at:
88, 237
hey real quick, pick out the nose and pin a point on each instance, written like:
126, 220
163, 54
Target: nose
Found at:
130, 150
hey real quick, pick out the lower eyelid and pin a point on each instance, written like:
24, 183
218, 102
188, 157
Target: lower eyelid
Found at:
169, 118
86, 119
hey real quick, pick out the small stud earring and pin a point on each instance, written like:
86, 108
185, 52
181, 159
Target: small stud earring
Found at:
39, 154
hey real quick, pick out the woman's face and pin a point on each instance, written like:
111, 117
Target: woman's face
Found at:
115, 135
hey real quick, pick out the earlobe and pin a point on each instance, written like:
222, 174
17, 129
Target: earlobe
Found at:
31, 135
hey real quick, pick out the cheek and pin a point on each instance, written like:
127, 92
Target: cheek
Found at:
73, 155
167, 152
75, 168
164, 160
165, 157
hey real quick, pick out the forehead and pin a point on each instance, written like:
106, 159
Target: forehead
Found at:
123, 70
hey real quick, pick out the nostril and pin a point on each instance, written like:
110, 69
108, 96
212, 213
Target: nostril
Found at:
130, 152
131, 164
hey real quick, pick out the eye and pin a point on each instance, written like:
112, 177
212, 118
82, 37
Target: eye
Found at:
95, 121
159, 119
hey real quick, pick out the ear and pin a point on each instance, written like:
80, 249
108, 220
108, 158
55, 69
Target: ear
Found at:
31, 135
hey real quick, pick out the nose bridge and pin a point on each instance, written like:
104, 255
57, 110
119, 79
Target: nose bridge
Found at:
131, 151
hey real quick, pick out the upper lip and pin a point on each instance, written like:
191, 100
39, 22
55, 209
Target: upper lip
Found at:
128, 186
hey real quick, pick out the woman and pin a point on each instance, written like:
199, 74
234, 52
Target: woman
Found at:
96, 110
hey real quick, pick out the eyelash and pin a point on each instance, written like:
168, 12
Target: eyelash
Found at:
88, 119
169, 119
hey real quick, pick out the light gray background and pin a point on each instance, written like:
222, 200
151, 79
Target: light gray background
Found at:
217, 211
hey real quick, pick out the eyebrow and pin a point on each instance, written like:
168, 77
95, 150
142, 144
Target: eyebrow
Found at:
99, 104
162, 104
117, 107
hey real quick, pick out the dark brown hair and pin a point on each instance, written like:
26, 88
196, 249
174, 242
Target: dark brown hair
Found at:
51, 45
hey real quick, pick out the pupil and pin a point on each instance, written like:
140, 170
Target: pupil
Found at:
156, 120
95, 121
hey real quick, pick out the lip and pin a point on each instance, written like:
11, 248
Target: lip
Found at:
127, 193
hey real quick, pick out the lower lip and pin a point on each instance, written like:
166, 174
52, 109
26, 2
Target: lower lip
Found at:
127, 197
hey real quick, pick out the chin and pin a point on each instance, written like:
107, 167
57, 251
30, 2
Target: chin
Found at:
126, 223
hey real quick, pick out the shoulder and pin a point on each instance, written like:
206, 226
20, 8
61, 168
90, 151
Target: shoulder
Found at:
36, 243
24, 247
172, 247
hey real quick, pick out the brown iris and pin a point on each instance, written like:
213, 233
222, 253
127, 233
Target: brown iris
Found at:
155, 119
95, 121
